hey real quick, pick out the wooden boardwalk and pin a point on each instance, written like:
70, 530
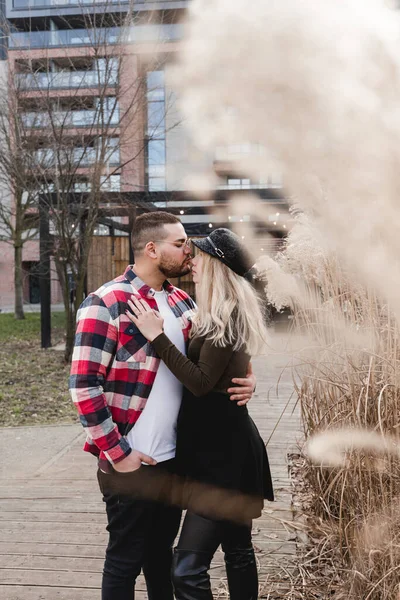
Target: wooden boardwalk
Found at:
52, 519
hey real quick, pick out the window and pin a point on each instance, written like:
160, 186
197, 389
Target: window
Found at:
82, 186
111, 183
156, 154
101, 229
155, 86
238, 184
106, 230
157, 184
156, 146
112, 153
123, 221
156, 119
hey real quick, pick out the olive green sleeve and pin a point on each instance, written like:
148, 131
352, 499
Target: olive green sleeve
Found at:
199, 378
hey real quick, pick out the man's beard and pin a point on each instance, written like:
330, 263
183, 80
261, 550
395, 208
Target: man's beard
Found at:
172, 270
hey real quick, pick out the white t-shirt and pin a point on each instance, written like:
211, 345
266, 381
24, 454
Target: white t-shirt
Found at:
155, 431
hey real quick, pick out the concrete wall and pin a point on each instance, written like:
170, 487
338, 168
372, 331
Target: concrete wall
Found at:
30, 254
6, 275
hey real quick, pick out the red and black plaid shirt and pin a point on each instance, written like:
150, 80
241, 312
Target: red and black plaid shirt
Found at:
113, 366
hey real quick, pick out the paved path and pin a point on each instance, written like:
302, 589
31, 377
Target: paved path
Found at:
52, 521
32, 308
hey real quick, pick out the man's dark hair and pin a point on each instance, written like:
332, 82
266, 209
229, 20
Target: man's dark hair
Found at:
149, 227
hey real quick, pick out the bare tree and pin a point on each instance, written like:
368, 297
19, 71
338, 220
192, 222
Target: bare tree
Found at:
79, 123
18, 201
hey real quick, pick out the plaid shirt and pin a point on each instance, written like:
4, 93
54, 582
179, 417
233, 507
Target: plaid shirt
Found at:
113, 366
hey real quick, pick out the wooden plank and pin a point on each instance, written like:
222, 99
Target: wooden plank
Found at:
66, 528
100, 268
30, 548
50, 517
42, 495
22, 592
71, 522
79, 565
42, 485
64, 579
120, 266
53, 493
53, 537
63, 528
65, 505
52, 563
56, 578
121, 252
125, 249
91, 550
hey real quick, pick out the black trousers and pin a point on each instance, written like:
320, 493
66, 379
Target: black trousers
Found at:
198, 542
142, 531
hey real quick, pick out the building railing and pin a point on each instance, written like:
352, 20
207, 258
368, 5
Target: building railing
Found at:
271, 183
66, 79
21, 4
72, 118
82, 157
96, 37
45, 3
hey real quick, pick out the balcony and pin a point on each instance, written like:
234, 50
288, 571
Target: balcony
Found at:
96, 37
71, 118
148, 4
17, 4
273, 182
66, 80
154, 4
79, 157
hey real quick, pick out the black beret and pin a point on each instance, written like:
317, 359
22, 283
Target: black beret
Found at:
228, 248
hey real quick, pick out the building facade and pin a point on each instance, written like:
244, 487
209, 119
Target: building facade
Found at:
91, 77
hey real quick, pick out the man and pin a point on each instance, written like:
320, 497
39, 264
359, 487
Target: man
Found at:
129, 401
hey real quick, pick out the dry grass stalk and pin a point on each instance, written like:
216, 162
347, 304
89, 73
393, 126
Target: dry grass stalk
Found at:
347, 380
318, 87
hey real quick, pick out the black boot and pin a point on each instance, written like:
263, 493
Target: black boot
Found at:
190, 575
241, 570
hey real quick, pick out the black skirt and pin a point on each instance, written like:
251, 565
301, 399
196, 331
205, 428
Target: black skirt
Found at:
219, 446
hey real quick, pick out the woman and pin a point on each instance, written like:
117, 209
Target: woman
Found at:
218, 445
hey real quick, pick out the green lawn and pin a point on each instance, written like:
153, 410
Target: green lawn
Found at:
28, 328
33, 381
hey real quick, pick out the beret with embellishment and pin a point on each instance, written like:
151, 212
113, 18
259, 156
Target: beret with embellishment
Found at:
227, 247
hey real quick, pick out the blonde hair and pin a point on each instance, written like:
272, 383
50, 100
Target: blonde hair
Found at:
229, 310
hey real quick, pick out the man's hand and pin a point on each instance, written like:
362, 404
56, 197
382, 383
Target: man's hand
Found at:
133, 462
244, 392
